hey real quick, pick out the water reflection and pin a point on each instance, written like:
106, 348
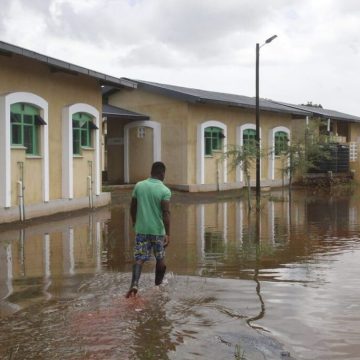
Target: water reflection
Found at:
290, 272
36, 261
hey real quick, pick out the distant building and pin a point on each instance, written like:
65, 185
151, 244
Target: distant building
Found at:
189, 129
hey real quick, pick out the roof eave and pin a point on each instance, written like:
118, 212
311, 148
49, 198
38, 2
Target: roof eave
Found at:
251, 107
59, 65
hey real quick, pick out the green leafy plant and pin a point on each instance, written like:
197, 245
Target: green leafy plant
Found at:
243, 157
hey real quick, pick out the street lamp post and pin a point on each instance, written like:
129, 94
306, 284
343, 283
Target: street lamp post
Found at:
257, 124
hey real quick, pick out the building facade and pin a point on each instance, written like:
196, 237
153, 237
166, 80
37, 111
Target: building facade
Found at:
190, 129
50, 124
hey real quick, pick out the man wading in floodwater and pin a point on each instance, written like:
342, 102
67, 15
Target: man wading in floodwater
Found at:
150, 214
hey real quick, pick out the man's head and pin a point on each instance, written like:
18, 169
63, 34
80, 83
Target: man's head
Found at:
158, 170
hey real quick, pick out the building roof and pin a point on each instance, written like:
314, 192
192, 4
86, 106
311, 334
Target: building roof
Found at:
204, 96
120, 113
58, 65
112, 84
324, 113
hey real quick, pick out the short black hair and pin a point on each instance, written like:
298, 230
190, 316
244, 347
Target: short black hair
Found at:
158, 168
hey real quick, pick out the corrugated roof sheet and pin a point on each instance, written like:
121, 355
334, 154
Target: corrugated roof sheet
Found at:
324, 113
114, 111
204, 96
9, 49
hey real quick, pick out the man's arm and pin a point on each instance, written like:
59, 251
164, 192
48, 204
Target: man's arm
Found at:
133, 210
165, 206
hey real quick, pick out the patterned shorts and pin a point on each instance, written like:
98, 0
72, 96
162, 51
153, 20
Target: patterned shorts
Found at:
144, 244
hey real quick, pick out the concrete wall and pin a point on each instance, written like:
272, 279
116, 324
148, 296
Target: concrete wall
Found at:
83, 166
141, 153
173, 117
354, 136
180, 124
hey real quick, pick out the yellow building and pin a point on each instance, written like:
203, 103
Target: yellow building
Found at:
52, 148
339, 129
189, 129
50, 130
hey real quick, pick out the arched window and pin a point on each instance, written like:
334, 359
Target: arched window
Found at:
82, 127
281, 142
25, 123
213, 139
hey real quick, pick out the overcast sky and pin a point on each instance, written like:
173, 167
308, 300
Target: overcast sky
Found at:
206, 44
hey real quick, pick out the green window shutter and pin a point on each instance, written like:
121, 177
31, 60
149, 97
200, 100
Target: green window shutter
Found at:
281, 142
208, 150
208, 142
249, 137
24, 127
76, 136
76, 142
216, 145
213, 139
85, 134
16, 129
82, 129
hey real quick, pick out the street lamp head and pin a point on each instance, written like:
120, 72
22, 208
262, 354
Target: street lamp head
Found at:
269, 40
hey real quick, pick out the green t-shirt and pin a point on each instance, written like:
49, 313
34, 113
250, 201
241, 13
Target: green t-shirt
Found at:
149, 193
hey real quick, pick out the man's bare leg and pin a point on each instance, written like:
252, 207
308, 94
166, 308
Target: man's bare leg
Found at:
136, 272
159, 271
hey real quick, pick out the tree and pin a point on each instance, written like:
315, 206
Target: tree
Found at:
309, 103
243, 157
305, 153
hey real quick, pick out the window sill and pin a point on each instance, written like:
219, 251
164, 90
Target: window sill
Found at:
18, 147
33, 156
214, 153
77, 156
87, 148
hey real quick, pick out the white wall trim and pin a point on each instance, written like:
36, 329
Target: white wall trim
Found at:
240, 142
239, 211
200, 222
200, 170
156, 143
67, 146
5, 149
272, 148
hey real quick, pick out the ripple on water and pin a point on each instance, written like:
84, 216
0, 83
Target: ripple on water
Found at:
184, 315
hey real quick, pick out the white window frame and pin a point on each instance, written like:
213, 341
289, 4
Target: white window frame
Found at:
67, 146
5, 143
272, 133
240, 142
200, 171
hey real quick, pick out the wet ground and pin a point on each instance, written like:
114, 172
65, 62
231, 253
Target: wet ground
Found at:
283, 285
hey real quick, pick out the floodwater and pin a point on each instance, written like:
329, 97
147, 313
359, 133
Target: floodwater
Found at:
283, 285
